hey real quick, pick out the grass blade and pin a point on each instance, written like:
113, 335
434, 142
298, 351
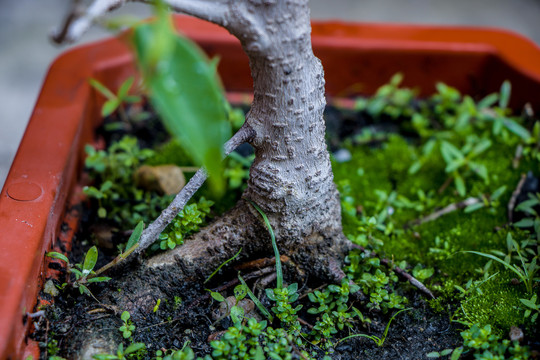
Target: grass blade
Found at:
279, 271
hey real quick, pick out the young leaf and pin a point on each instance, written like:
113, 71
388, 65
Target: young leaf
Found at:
185, 91
57, 255
99, 279
101, 89
217, 296
90, 260
109, 107
237, 314
135, 235
504, 99
124, 88
134, 348
460, 185
517, 129
240, 292
473, 207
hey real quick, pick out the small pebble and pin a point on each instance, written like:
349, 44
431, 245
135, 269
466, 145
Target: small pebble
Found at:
516, 334
50, 288
342, 155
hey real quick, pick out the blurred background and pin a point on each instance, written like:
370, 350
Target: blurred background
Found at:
26, 53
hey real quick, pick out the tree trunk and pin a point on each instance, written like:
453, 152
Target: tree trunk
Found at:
291, 178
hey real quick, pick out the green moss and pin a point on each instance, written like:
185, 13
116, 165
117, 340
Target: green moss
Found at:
495, 302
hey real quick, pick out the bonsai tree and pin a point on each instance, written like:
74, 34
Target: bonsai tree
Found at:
291, 178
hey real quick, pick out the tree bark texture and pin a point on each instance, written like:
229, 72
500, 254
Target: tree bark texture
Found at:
291, 178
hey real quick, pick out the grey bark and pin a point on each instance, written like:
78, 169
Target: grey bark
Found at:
291, 178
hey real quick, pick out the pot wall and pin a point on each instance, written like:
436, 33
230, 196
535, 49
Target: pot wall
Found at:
45, 170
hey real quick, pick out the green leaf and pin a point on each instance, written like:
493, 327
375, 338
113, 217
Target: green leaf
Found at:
99, 279
240, 292
125, 316
528, 303
101, 89
124, 88
279, 269
109, 107
237, 314
517, 129
253, 298
449, 152
446, 352
90, 260
415, 167
497, 193
460, 185
456, 353
506, 89
482, 146
186, 92
433, 355
57, 255
134, 348
488, 101
217, 296
135, 235
473, 207
524, 223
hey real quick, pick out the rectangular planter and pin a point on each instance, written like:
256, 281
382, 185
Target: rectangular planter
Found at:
45, 171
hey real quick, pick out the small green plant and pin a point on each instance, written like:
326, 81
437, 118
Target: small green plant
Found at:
532, 307
379, 341
284, 298
188, 221
254, 340
185, 353
84, 273
389, 100
133, 351
486, 345
454, 353
115, 102
526, 271
114, 190
532, 218
235, 311
333, 311
127, 327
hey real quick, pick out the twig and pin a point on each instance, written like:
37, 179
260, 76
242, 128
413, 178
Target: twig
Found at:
411, 279
513, 198
151, 233
445, 185
446, 210
305, 323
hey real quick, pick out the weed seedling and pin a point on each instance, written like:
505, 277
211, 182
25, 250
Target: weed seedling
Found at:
84, 273
127, 327
379, 341
115, 102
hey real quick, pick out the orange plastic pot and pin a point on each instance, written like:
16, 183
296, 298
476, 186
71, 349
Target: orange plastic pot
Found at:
358, 58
